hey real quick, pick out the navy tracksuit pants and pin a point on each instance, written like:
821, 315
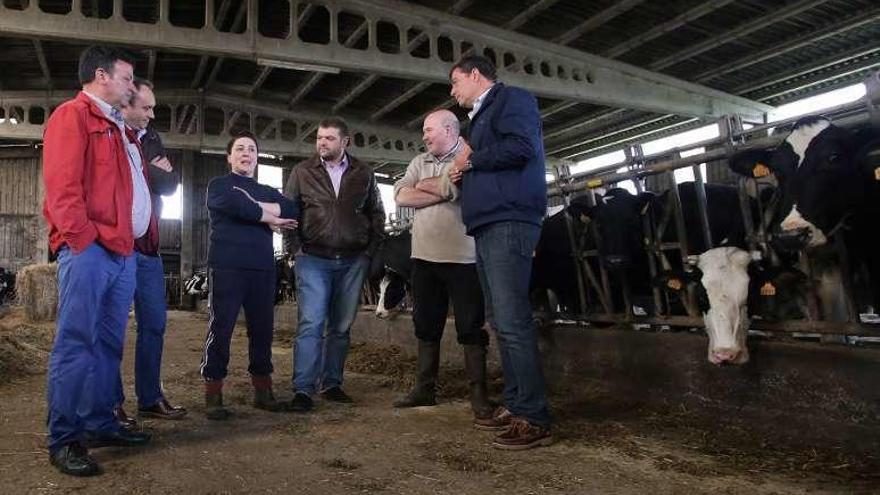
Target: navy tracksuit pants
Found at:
230, 290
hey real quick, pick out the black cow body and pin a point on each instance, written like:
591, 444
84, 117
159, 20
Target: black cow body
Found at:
390, 272
830, 187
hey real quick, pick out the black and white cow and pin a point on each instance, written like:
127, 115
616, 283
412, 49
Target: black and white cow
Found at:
7, 286
285, 279
723, 276
829, 180
197, 284
553, 267
390, 270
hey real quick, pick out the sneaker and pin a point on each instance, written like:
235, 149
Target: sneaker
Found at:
336, 394
499, 421
301, 403
523, 435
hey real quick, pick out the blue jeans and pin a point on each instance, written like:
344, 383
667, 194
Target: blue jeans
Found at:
328, 291
95, 291
504, 264
149, 312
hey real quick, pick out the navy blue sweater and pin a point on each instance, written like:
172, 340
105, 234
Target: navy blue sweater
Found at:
507, 182
238, 239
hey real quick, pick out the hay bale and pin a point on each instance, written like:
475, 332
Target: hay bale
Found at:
37, 287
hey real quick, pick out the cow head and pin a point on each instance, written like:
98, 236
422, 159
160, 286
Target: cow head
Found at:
818, 177
618, 219
392, 295
725, 280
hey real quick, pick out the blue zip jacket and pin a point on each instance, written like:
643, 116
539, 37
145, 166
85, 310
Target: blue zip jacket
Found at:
507, 181
238, 239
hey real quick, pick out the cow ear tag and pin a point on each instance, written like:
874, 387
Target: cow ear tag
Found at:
768, 289
877, 173
760, 170
674, 283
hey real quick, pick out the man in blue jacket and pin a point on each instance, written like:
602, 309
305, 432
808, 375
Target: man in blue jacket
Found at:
503, 201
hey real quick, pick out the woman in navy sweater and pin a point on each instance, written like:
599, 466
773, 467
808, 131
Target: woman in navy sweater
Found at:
242, 272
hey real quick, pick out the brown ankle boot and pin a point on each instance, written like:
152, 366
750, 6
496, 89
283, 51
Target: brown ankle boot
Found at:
263, 397
214, 409
426, 381
475, 367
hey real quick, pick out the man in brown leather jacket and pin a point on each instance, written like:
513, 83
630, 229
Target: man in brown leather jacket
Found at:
341, 223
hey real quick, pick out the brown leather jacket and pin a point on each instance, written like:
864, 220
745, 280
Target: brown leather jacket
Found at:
332, 227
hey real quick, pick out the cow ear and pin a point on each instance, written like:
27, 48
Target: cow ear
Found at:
752, 163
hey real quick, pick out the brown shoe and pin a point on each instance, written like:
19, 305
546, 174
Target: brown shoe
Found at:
523, 435
125, 421
499, 421
163, 410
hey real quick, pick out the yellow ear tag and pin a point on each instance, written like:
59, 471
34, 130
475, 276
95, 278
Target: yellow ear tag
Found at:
594, 183
674, 284
768, 289
760, 170
877, 173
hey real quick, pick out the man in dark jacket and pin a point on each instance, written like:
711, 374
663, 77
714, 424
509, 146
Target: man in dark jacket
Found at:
342, 222
503, 200
149, 296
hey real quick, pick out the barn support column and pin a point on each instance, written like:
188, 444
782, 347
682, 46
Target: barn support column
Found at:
41, 239
186, 224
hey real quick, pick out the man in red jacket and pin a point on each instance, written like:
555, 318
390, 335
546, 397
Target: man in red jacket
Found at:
96, 203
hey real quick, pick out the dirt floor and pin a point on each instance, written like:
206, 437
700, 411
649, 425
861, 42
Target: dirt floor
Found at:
606, 444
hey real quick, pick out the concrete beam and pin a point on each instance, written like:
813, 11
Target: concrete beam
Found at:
372, 142
44, 65
666, 27
736, 33
527, 15
595, 21
544, 68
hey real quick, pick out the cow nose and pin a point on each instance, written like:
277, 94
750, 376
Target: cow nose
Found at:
381, 314
615, 262
791, 240
722, 356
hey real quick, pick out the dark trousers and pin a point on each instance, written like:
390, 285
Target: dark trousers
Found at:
230, 290
432, 285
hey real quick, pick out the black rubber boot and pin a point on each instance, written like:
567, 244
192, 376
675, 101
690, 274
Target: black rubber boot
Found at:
214, 409
426, 382
475, 367
263, 397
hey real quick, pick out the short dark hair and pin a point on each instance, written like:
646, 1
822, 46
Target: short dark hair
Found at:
479, 62
100, 57
238, 135
140, 82
336, 123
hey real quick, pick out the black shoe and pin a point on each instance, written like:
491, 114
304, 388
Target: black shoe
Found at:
121, 438
301, 403
125, 421
163, 410
336, 394
74, 459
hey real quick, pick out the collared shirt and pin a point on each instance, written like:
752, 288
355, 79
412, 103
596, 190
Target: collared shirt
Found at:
438, 234
479, 102
336, 172
140, 207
